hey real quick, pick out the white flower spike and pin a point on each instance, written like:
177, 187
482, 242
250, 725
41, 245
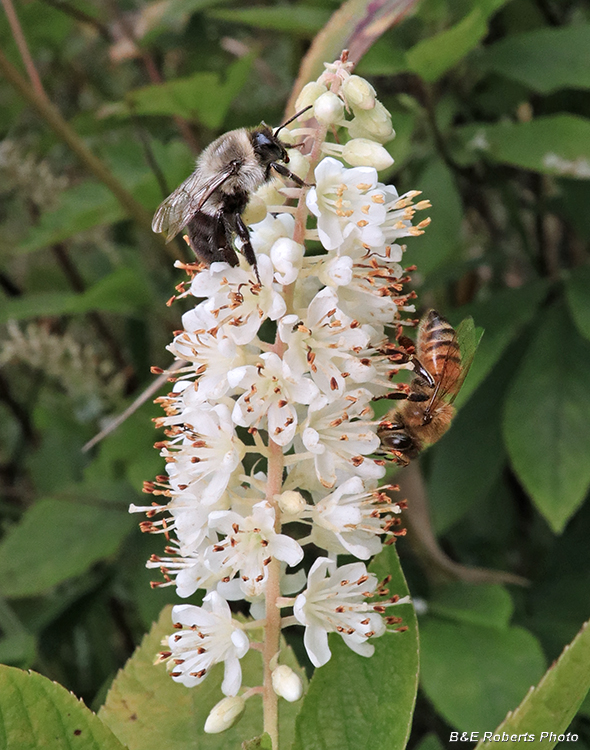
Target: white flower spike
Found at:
269, 426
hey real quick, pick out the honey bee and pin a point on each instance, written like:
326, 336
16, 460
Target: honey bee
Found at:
441, 361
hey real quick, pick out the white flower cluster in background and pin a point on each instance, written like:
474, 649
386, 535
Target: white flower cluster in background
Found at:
289, 364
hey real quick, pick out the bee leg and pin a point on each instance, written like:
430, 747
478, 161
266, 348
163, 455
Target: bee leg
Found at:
244, 234
282, 170
422, 372
393, 396
223, 240
395, 354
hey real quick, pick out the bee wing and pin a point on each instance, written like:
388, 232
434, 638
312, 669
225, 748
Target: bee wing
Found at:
178, 209
449, 384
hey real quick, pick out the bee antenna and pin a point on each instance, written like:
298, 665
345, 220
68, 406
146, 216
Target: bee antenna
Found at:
290, 120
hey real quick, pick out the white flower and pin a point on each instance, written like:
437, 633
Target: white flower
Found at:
335, 270
187, 570
325, 343
211, 637
235, 301
271, 390
349, 520
249, 546
287, 257
202, 459
212, 356
345, 199
339, 435
290, 583
264, 234
335, 601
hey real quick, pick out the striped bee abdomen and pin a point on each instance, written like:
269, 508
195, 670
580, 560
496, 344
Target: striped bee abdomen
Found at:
438, 349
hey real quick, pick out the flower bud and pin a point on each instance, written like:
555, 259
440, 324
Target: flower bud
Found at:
255, 210
329, 109
298, 164
374, 124
362, 152
358, 93
286, 684
224, 714
291, 503
309, 93
270, 193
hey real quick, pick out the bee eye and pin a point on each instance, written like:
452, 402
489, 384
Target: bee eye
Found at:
400, 441
262, 140
268, 149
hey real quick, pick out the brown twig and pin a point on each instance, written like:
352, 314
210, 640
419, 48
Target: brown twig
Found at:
80, 16
23, 48
18, 411
425, 545
141, 399
48, 112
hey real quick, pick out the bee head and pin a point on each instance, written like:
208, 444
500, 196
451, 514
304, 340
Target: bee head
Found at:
267, 146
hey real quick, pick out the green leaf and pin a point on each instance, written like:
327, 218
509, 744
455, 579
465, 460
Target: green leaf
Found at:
355, 703
383, 59
86, 206
300, 20
545, 60
563, 580
553, 703
131, 445
571, 202
264, 742
547, 418
147, 710
557, 144
441, 239
430, 742
202, 96
489, 605
577, 294
90, 205
474, 674
432, 57
37, 713
18, 650
56, 540
123, 291
502, 317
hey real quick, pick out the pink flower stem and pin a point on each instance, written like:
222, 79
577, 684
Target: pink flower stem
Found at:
276, 464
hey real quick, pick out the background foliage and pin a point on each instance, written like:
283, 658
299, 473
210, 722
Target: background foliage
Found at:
491, 103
